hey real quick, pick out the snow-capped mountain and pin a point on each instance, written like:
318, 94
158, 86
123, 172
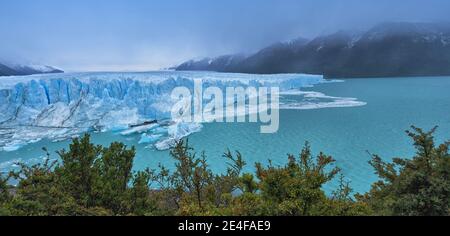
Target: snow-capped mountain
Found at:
9, 69
388, 49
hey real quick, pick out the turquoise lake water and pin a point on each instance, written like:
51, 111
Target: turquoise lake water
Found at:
348, 134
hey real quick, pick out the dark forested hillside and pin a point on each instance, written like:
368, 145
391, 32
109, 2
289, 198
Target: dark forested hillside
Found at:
389, 49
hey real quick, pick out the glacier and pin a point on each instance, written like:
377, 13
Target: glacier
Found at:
61, 106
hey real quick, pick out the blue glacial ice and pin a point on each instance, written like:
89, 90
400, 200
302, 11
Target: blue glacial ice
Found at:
61, 106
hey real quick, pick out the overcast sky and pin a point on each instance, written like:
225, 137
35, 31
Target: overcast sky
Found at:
113, 35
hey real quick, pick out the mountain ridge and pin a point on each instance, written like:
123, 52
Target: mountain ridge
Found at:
7, 69
386, 50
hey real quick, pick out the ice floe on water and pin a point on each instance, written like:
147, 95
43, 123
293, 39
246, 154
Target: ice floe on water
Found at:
138, 129
149, 138
62, 106
316, 100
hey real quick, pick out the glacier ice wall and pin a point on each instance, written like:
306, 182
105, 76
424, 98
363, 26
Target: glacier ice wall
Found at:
60, 106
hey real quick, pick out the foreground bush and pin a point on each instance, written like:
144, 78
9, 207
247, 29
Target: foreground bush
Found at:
416, 186
95, 180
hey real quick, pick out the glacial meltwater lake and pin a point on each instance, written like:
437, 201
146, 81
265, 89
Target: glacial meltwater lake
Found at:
346, 133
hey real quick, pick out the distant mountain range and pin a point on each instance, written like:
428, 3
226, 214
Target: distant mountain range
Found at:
386, 50
7, 69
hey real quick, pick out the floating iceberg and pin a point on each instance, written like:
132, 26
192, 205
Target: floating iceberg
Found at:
152, 138
138, 129
176, 132
316, 100
61, 106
